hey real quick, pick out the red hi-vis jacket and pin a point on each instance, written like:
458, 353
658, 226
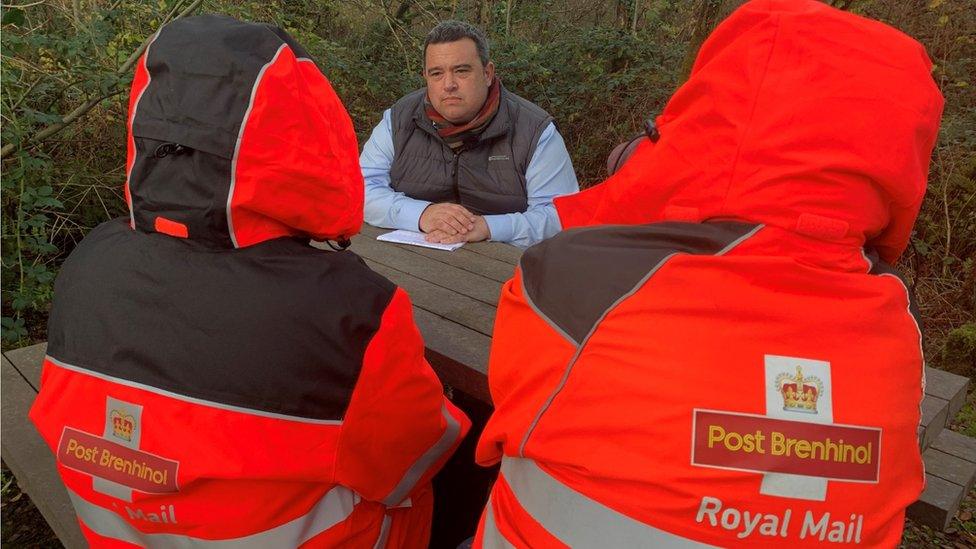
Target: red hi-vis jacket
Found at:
211, 379
720, 354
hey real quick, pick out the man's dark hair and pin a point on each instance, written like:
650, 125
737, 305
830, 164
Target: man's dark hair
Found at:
452, 31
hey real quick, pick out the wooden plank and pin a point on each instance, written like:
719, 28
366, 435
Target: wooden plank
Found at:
935, 413
956, 444
470, 284
459, 355
28, 361
947, 386
948, 467
443, 302
938, 503
469, 261
496, 250
371, 231
29, 458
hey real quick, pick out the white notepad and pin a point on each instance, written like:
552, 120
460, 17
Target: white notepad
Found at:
416, 239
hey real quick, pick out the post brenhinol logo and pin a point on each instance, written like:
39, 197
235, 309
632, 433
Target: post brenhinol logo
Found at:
796, 445
114, 459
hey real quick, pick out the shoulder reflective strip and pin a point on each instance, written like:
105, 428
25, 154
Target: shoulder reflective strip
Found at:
185, 398
331, 510
240, 136
423, 463
132, 120
731, 245
575, 519
582, 344
491, 537
384, 533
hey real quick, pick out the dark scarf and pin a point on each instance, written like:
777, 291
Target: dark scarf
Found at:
455, 135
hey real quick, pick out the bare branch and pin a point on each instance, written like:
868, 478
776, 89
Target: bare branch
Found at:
22, 6
83, 109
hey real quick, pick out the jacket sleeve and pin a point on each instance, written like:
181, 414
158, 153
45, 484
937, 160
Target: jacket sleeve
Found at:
399, 429
611, 201
384, 207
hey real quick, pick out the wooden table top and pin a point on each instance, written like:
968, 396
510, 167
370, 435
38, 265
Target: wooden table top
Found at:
454, 297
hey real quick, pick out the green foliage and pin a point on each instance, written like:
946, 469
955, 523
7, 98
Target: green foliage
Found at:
55, 192
585, 62
959, 353
942, 258
599, 84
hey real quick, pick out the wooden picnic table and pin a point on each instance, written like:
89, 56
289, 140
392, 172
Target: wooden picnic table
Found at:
454, 297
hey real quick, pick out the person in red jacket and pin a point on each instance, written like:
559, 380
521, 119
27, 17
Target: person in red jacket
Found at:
721, 353
211, 379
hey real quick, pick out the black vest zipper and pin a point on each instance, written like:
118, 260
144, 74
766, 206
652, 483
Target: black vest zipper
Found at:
454, 176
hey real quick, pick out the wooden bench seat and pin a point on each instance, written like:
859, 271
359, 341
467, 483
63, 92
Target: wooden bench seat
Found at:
25, 453
950, 458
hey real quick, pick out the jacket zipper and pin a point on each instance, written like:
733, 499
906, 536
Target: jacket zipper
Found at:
454, 177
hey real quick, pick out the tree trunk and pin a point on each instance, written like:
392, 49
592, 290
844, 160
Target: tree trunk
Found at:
508, 17
484, 14
633, 20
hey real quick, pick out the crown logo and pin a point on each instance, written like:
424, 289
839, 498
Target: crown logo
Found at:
799, 393
122, 425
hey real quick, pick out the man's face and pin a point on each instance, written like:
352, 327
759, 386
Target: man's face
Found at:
457, 82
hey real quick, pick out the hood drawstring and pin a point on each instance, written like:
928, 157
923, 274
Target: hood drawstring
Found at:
340, 244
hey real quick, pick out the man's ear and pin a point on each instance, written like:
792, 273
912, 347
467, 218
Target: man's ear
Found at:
490, 72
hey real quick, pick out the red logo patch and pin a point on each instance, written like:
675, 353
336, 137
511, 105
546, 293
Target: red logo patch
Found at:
766, 445
112, 461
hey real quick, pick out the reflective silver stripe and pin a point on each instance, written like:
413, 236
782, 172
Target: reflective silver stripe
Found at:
728, 248
582, 344
575, 519
240, 136
424, 462
332, 509
190, 399
921, 349
132, 120
545, 318
867, 260
491, 537
384, 533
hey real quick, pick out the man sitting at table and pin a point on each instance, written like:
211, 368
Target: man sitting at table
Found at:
211, 378
464, 159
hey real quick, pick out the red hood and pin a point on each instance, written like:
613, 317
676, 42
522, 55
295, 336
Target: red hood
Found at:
796, 115
266, 148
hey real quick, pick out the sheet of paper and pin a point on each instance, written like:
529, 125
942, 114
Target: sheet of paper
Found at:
416, 239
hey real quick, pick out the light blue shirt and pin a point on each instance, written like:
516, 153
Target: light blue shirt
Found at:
549, 174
